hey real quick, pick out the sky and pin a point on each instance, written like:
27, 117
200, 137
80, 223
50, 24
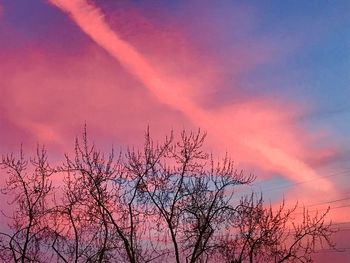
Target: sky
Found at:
267, 80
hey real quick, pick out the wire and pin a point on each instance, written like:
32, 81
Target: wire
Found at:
323, 209
330, 202
338, 250
342, 173
342, 223
307, 181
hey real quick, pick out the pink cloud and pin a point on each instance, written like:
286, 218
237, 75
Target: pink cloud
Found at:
258, 131
48, 96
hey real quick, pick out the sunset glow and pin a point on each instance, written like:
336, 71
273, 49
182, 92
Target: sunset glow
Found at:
268, 83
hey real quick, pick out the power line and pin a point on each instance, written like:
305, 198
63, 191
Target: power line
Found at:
339, 207
342, 223
323, 209
326, 202
343, 229
342, 173
329, 202
307, 181
338, 250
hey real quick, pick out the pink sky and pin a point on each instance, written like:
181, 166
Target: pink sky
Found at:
130, 73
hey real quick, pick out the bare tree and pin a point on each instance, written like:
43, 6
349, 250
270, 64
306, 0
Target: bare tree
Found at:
261, 234
101, 210
190, 194
169, 201
30, 185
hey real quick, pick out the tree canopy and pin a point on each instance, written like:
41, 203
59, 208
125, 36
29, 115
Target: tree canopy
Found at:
167, 201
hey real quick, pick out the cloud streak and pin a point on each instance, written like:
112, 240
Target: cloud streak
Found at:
91, 21
256, 131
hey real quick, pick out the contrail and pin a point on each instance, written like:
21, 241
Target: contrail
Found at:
91, 21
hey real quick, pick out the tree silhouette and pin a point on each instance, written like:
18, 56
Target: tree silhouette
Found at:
31, 190
263, 235
189, 194
169, 201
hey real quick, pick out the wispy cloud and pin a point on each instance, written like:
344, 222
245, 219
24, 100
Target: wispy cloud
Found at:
91, 21
258, 131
